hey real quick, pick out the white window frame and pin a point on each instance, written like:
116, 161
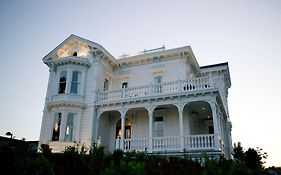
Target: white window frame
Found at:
73, 126
78, 83
81, 81
66, 81
63, 125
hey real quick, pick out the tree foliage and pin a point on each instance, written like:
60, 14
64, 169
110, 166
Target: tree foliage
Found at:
252, 158
94, 160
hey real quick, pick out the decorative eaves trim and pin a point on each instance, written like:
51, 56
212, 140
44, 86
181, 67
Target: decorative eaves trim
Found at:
66, 105
69, 60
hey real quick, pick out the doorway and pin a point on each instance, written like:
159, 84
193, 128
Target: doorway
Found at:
128, 132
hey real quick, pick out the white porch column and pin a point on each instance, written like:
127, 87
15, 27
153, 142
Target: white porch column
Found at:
150, 110
150, 115
180, 109
216, 125
123, 119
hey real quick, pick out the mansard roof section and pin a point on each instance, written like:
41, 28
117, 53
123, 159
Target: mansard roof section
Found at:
75, 46
221, 68
157, 54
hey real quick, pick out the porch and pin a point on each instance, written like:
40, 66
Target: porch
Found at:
191, 127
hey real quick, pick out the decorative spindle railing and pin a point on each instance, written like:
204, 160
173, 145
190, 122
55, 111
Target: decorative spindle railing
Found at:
205, 141
160, 49
172, 143
165, 143
155, 89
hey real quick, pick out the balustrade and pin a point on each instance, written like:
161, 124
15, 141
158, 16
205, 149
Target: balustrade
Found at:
165, 143
205, 141
155, 89
191, 142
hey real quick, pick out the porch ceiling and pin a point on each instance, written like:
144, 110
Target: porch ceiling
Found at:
202, 108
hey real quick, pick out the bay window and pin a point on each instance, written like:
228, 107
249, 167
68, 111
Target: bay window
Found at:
64, 126
67, 86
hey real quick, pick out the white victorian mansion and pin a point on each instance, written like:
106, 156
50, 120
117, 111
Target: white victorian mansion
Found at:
157, 101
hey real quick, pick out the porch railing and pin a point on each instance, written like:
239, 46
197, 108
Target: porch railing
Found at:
191, 142
155, 89
205, 141
165, 143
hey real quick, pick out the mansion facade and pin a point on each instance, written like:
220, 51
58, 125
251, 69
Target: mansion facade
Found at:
156, 101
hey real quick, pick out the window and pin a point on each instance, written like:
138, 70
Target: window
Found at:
69, 127
158, 127
75, 82
158, 85
56, 127
67, 86
158, 79
62, 83
125, 85
105, 85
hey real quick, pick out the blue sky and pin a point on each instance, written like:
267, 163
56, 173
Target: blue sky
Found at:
244, 33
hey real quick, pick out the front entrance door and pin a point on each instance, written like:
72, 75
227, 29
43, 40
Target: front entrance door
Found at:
127, 129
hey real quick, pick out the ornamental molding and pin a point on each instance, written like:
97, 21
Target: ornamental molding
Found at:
55, 105
68, 60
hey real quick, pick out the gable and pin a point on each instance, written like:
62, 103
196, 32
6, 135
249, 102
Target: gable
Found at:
72, 48
76, 46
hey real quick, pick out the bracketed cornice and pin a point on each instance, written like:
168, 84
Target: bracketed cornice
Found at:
68, 60
66, 105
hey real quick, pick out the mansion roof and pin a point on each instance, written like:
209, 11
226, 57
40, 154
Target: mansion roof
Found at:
87, 51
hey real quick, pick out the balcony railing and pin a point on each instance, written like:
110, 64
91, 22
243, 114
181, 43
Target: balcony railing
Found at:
160, 49
155, 89
67, 97
191, 143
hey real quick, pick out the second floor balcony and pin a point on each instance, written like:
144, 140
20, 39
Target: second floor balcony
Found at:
156, 90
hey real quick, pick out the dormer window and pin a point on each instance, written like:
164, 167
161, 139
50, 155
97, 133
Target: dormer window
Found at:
75, 54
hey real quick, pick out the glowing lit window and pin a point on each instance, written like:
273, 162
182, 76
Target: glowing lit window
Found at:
56, 127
